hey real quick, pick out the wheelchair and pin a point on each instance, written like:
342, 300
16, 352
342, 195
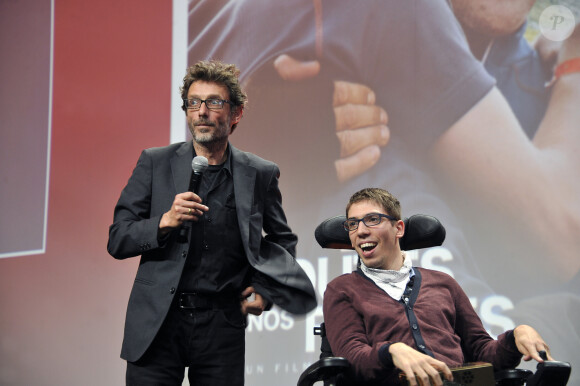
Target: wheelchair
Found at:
421, 231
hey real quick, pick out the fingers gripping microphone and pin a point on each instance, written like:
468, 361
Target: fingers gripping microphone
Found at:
198, 166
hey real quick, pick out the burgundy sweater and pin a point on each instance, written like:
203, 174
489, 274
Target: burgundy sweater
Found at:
361, 318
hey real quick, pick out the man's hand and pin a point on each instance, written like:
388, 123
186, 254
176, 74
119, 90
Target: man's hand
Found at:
293, 70
254, 307
361, 126
529, 343
420, 369
186, 206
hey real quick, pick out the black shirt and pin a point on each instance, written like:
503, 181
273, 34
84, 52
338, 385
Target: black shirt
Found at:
216, 262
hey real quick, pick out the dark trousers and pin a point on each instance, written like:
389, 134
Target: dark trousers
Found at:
211, 342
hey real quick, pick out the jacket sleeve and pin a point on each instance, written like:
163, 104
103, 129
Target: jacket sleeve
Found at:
134, 230
275, 224
280, 278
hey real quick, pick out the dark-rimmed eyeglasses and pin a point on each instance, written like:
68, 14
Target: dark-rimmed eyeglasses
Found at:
210, 103
370, 220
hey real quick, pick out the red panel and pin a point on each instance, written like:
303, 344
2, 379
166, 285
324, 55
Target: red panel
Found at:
62, 312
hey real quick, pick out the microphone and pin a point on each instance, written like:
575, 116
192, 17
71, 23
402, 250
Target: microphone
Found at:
198, 166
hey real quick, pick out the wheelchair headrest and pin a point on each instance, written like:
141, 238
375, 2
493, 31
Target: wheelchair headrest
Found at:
421, 231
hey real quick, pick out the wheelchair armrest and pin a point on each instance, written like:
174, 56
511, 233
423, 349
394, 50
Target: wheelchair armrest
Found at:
550, 373
512, 377
323, 369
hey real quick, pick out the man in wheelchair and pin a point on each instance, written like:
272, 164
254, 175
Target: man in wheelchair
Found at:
388, 317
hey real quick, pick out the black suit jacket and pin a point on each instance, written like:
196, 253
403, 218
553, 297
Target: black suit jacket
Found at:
160, 174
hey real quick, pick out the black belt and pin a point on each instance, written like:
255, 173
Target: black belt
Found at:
194, 300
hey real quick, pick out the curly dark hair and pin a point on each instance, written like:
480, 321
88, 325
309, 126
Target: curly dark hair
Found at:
218, 72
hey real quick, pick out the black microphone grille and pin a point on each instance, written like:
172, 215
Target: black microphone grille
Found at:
199, 164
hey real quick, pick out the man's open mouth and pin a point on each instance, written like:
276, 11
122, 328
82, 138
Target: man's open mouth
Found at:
367, 247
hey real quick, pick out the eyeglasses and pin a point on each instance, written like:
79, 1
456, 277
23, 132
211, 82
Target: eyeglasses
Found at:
210, 103
370, 220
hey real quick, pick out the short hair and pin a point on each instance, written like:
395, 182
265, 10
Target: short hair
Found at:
379, 196
215, 71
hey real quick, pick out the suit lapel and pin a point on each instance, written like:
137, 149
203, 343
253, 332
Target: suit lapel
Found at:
181, 167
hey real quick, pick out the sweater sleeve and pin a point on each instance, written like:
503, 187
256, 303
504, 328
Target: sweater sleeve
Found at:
477, 344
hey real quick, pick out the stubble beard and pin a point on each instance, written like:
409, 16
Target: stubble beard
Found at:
210, 137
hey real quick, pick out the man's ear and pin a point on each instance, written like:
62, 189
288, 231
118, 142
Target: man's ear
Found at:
400, 228
237, 114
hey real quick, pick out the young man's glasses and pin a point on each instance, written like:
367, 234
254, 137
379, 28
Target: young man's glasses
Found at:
210, 103
371, 219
